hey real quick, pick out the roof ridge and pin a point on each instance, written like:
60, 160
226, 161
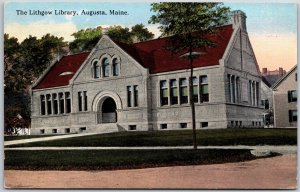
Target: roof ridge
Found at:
159, 38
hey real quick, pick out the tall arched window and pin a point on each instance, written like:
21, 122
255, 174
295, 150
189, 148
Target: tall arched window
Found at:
105, 67
96, 69
116, 67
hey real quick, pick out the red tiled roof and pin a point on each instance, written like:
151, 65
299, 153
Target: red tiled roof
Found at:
69, 63
150, 54
153, 54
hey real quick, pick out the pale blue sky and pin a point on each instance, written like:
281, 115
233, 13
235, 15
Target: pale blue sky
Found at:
272, 27
261, 17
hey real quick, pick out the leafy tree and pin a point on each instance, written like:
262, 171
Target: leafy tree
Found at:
189, 24
140, 33
24, 62
119, 33
11, 47
85, 39
37, 54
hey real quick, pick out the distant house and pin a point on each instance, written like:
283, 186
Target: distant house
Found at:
272, 76
142, 86
267, 103
285, 100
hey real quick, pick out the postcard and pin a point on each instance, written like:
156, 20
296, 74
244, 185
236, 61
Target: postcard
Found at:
149, 95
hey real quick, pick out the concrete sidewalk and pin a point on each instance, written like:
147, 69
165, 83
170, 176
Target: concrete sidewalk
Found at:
257, 150
21, 141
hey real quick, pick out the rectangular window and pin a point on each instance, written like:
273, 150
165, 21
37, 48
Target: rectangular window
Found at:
135, 96
267, 105
54, 130
67, 130
183, 125
132, 127
292, 96
250, 92
85, 101
129, 91
232, 123
257, 93
43, 105
49, 106
229, 87
61, 102
55, 103
204, 95
163, 126
174, 92
292, 115
195, 89
183, 83
68, 102
80, 101
204, 124
82, 129
42, 131
163, 92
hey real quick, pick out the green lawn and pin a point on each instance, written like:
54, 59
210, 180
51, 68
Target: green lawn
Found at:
180, 138
118, 159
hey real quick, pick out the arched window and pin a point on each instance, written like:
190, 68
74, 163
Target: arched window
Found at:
116, 67
96, 69
105, 67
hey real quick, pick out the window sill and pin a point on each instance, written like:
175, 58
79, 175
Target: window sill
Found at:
53, 115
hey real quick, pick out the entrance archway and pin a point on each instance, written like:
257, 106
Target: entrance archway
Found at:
108, 111
107, 102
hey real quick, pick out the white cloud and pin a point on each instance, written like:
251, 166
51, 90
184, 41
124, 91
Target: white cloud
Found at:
154, 29
39, 29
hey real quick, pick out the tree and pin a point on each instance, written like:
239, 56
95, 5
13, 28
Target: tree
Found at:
189, 24
23, 63
119, 33
85, 39
140, 33
11, 49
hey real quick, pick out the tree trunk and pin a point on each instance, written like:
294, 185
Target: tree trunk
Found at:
192, 101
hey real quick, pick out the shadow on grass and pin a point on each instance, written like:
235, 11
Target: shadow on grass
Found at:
120, 159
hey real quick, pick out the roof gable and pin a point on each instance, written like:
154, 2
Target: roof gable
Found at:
62, 71
284, 77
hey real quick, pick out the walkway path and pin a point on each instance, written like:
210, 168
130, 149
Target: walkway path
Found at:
269, 173
286, 149
21, 141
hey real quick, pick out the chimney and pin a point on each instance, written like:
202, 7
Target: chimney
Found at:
239, 19
280, 71
264, 71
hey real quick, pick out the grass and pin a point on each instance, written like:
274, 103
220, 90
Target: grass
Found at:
217, 137
118, 159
